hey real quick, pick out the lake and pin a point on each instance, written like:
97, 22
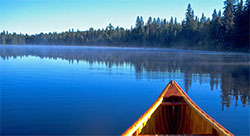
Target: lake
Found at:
73, 90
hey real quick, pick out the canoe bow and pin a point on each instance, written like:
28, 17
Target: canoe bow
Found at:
174, 90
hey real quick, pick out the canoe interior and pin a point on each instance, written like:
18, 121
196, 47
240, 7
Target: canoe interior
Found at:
177, 118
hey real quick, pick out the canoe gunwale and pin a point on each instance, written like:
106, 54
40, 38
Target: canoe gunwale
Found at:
146, 116
142, 121
203, 114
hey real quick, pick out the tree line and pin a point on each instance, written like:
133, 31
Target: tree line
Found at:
224, 31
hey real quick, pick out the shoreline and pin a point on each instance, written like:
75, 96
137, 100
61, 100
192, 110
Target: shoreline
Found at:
138, 48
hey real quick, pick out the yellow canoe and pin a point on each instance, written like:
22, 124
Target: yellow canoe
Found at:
174, 113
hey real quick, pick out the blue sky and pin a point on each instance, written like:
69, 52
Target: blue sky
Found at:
35, 16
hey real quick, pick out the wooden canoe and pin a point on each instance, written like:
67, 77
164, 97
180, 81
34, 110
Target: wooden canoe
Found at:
174, 113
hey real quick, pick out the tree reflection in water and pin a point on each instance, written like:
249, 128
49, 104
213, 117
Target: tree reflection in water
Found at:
229, 70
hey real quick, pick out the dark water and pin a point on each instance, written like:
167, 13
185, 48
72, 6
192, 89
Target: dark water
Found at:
50, 90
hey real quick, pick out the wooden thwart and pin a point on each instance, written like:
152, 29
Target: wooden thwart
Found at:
172, 103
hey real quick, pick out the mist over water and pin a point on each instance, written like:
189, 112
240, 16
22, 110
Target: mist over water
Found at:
102, 90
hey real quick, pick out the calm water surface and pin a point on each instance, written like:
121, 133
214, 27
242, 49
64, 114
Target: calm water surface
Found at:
51, 90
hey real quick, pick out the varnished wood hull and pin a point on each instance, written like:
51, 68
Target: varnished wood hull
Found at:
174, 113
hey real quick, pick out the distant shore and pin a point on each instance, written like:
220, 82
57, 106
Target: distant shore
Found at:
142, 48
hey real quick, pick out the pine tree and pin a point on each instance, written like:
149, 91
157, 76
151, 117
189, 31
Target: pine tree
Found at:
228, 19
189, 20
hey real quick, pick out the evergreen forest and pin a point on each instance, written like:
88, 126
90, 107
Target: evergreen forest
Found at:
226, 30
